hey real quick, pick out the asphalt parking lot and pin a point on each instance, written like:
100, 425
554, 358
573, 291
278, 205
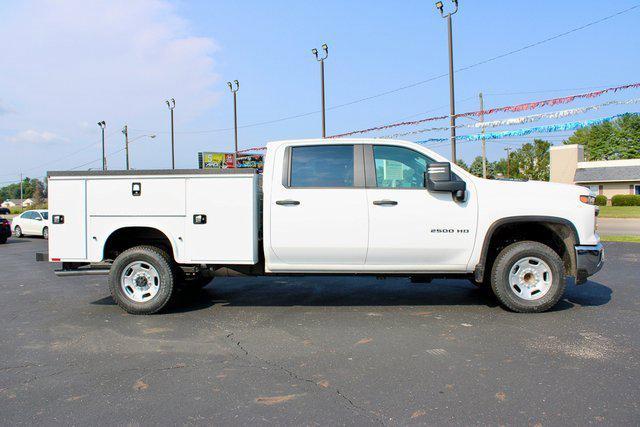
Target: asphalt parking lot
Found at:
316, 351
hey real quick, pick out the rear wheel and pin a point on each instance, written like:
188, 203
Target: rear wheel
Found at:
142, 280
45, 233
528, 277
3, 240
18, 231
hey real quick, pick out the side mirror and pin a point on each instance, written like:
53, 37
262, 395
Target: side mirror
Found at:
438, 178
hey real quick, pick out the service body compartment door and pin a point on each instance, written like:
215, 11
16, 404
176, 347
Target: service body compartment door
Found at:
136, 196
222, 219
67, 203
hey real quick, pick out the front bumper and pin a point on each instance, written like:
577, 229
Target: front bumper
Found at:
589, 260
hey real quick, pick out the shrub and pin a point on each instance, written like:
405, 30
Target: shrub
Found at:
625, 200
601, 200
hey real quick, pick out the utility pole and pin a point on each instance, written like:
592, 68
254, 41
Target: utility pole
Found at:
508, 150
484, 142
452, 101
234, 91
102, 125
21, 188
321, 59
125, 131
171, 103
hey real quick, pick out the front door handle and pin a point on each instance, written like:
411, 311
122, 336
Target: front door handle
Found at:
287, 202
385, 202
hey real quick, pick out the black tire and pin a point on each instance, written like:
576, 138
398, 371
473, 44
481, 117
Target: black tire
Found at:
45, 233
18, 232
159, 260
3, 240
507, 259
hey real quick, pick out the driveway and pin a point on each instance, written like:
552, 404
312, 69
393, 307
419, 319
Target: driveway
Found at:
309, 351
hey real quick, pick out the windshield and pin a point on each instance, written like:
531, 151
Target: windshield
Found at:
45, 214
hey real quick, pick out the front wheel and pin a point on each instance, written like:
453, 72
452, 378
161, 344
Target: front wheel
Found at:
528, 277
142, 280
45, 233
18, 231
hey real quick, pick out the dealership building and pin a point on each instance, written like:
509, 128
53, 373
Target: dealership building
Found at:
607, 177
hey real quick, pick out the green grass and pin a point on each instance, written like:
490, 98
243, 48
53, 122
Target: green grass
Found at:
628, 239
619, 211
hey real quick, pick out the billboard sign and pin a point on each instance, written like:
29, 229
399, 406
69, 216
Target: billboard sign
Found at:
212, 160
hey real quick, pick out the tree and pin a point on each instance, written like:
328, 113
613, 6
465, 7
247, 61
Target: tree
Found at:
38, 191
476, 167
29, 187
619, 139
462, 164
499, 167
531, 161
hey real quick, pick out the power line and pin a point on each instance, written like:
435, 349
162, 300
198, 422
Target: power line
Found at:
388, 92
419, 83
60, 158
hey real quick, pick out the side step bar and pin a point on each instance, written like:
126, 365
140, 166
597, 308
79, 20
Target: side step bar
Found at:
76, 269
82, 271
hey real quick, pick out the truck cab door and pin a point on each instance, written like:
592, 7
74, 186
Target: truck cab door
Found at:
411, 228
318, 209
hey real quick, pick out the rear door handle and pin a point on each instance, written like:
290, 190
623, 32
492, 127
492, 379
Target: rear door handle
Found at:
287, 202
385, 202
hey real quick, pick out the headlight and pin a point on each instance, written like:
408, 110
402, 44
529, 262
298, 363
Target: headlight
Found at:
590, 200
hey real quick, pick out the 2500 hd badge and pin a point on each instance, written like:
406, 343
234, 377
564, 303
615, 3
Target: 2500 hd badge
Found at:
450, 230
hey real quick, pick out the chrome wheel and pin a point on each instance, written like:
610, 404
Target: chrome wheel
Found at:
140, 281
530, 278
17, 231
45, 233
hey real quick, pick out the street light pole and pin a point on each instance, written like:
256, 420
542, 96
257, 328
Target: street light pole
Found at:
234, 91
321, 59
125, 131
452, 100
102, 125
171, 103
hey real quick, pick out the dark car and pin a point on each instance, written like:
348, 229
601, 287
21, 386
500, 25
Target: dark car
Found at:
5, 230
4, 211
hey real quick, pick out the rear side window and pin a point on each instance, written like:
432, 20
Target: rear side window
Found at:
28, 215
322, 166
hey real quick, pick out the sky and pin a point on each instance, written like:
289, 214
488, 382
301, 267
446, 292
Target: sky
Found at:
68, 64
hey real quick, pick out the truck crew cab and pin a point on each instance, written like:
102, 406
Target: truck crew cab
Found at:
339, 206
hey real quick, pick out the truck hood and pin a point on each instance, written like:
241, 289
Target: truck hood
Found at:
526, 190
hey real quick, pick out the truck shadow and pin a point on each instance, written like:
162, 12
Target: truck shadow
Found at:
356, 292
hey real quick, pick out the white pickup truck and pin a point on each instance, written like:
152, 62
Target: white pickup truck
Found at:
340, 206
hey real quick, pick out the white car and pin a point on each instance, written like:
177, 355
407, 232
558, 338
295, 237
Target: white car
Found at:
31, 223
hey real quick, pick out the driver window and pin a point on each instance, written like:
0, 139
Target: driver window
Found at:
399, 167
